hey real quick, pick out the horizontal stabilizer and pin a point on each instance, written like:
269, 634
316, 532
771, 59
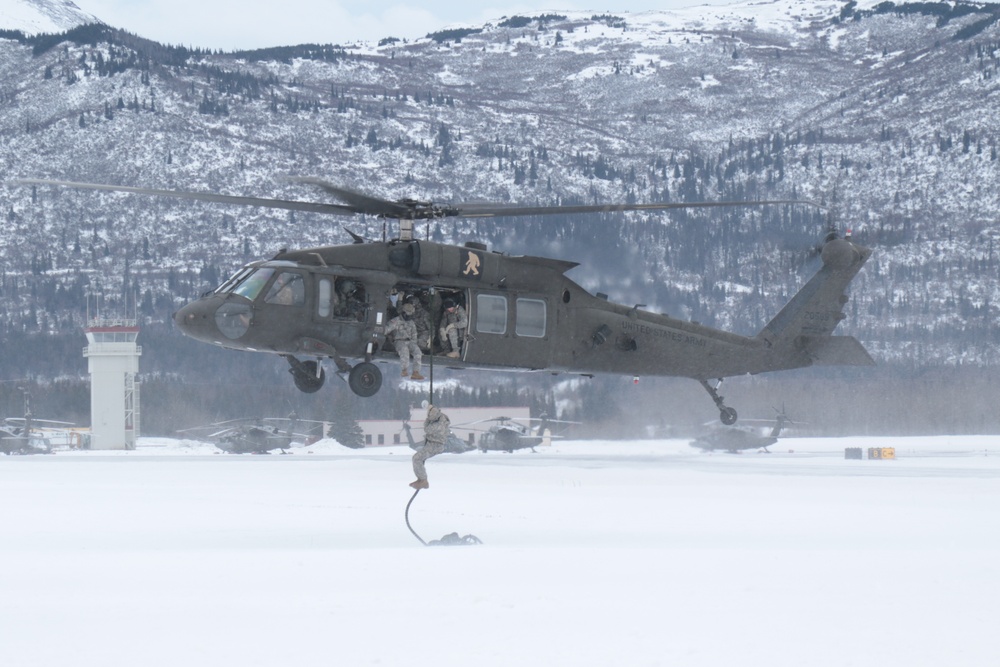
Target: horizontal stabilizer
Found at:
836, 351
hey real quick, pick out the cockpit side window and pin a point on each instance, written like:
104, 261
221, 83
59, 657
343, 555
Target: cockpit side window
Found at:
351, 299
251, 286
288, 289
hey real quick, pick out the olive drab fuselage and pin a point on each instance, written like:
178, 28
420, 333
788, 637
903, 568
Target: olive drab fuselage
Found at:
523, 314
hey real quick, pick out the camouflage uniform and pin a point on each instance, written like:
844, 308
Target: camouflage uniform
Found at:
437, 426
423, 321
453, 321
404, 339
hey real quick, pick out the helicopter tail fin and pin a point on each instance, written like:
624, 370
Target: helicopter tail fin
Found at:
807, 321
836, 351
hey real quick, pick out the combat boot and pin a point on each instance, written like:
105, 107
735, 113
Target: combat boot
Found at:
416, 376
420, 484
452, 355
404, 373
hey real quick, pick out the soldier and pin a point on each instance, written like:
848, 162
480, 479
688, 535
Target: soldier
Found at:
453, 323
349, 300
437, 426
404, 338
422, 319
287, 290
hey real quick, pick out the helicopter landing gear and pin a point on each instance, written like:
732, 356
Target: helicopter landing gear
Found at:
365, 379
727, 415
309, 376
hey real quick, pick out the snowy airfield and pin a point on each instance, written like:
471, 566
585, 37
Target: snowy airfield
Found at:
594, 553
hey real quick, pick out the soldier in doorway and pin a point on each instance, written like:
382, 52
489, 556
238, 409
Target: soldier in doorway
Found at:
453, 324
421, 318
404, 339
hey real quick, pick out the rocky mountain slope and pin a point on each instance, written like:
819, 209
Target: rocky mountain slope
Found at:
886, 113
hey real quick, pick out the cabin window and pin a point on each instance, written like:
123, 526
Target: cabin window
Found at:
530, 318
491, 314
288, 289
254, 283
325, 291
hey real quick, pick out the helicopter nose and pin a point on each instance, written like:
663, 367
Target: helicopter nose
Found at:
197, 320
214, 319
192, 320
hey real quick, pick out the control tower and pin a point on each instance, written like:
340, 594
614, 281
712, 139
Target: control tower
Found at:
113, 362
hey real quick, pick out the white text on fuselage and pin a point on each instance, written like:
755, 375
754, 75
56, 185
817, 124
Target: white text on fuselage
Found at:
666, 334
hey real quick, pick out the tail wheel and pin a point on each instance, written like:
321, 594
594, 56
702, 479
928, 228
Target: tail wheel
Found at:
365, 379
728, 416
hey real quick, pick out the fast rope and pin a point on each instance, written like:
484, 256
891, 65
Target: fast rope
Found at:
451, 539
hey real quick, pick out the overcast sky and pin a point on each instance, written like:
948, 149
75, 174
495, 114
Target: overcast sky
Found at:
244, 24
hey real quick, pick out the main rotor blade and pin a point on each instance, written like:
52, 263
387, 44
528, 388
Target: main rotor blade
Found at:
358, 200
492, 211
311, 207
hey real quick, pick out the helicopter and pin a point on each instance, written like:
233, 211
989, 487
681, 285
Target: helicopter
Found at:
521, 312
255, 435
507, 435
18, 435
734, 439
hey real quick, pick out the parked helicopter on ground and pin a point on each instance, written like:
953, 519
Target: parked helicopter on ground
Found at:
735, 439
522, 312
22, 435
507, 435
19, 439
258, 435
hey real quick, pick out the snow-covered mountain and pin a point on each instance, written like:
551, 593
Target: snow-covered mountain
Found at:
42, 16
884, 112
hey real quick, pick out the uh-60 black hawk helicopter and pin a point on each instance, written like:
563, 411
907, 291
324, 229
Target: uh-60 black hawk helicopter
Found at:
522, 312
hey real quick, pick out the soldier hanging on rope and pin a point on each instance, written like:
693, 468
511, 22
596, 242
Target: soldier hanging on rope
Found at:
436, 429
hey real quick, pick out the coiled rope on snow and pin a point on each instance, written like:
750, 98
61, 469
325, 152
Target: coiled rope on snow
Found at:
451, 539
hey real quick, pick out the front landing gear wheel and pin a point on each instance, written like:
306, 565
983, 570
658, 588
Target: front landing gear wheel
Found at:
365, 379
309, 377
728, 416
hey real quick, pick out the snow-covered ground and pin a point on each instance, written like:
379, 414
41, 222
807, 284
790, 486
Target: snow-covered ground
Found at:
594, 553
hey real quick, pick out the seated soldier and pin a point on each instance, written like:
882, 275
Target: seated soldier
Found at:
453, 324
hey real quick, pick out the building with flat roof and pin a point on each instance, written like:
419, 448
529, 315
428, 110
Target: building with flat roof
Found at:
466, 423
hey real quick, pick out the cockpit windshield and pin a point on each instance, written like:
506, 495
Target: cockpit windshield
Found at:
234, 280
251, 285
